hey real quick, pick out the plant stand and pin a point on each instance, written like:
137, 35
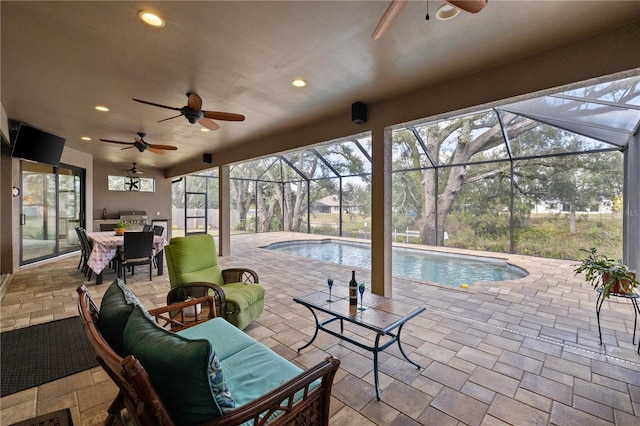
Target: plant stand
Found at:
636, 309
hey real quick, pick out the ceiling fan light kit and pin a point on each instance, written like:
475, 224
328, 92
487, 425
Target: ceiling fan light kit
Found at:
446, 12
449, 10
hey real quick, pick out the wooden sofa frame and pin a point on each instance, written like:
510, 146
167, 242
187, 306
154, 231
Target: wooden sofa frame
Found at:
144, 406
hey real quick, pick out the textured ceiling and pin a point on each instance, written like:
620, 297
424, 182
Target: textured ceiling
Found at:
60, 59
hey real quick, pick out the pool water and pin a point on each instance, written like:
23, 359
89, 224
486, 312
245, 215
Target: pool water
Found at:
442, 268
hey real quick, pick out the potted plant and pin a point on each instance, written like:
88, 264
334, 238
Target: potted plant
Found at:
120, 228
604, 272
192, 311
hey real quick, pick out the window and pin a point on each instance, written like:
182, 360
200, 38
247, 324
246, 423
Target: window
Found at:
131, 183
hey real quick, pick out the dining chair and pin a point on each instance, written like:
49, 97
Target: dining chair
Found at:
146, 228
83, 254
87, 247
137, 250
157, 230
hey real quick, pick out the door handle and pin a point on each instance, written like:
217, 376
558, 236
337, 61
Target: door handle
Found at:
23, 219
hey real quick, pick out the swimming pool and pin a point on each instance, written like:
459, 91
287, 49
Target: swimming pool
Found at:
442, 268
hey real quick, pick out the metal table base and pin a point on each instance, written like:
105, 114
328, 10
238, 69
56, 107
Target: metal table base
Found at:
636, 309
392, 329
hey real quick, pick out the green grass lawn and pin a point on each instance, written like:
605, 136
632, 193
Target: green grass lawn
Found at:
547, 236
544, 235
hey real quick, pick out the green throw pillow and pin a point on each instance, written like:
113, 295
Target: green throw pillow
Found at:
186, 373
117, 304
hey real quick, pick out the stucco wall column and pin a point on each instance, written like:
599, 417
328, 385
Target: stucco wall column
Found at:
381, 226
631, 197
224, 209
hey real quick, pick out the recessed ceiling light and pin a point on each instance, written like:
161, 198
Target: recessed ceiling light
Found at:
150, 18
446, 11
102, 108
204, 129
298, 82
85, 138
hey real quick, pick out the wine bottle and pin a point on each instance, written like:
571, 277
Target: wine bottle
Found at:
353, 290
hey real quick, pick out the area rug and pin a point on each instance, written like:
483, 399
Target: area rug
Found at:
59, 418
35, 355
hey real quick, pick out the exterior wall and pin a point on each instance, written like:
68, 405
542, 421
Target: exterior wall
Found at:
157, 204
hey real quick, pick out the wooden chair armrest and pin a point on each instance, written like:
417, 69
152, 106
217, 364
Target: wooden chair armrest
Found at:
153, 406
312, 404
196, 289
239, 275
174, 316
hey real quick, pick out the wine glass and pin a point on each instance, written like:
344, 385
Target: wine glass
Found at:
361, 290
330, 284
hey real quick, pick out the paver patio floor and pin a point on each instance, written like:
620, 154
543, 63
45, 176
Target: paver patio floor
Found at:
517, 352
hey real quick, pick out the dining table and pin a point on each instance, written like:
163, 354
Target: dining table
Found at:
105, 247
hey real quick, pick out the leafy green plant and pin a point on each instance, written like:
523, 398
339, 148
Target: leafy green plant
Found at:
604, 272
121, 224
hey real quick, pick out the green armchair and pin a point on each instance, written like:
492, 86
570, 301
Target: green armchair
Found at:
194, 259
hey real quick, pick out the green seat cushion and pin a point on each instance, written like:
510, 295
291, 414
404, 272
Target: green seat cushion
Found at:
185, 372
243, 295
116, 306
257, 370
251, 369
222, 335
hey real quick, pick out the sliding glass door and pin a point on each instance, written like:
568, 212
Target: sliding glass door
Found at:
52, 206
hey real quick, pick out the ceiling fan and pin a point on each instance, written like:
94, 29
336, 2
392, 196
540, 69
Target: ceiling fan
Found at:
396, 6
133, 170
194, 113
141, 145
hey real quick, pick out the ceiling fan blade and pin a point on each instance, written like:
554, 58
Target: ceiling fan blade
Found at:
155, 151
154, 104
167, 147
224, 116
129, 147
195, 101
176, 116
209, 124
395, 7
119, 142
471, 6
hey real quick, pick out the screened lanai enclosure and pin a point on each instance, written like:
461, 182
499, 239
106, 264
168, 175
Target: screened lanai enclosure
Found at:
543, 176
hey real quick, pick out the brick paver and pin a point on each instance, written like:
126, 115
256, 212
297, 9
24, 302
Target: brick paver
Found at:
515, 352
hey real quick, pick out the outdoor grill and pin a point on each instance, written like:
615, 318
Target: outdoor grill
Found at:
135, 219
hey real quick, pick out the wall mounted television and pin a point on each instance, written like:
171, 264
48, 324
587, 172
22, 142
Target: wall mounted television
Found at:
36, 145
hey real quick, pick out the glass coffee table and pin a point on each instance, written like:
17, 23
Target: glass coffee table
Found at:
382, 315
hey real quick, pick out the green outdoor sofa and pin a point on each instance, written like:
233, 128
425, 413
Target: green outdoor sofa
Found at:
194, 259
172, 370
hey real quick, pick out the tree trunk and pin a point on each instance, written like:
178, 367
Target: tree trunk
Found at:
572, 218
466, 148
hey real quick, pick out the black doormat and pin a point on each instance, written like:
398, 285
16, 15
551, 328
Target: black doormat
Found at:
42, 353
59, 418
